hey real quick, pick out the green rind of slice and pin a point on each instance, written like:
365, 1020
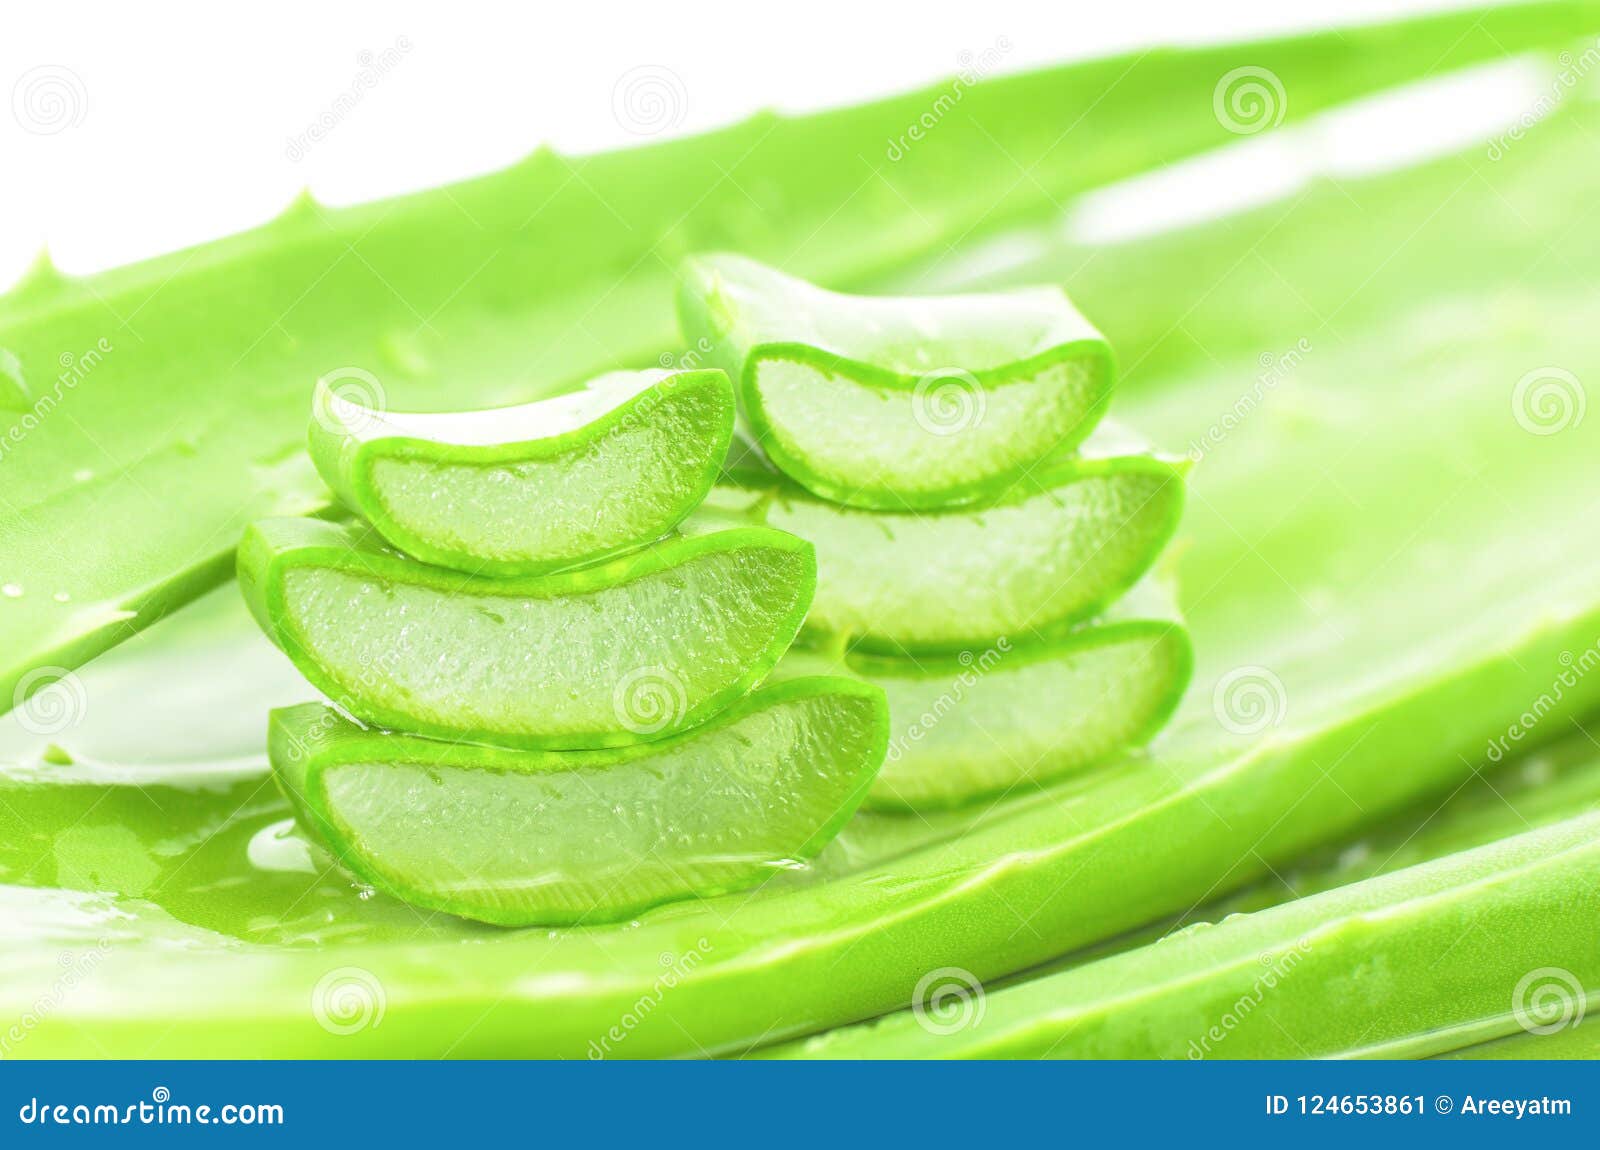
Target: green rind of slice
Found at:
557, 838
1009, 717
623, 652
528, 489
899, 403
1064, 544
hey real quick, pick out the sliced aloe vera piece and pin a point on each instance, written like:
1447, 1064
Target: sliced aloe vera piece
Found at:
1011, 716
910, 402
528, 489
1063, 544
623, 652
522, 838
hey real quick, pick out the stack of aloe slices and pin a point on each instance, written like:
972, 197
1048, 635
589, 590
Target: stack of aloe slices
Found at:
580, 738
978, 529
559, 656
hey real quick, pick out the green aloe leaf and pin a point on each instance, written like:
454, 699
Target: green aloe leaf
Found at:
1007, 717
132, 474
520, 838
1562, 1035
633, 649
897, 403
528, 489
1417, 962
1556, 783
1062, 544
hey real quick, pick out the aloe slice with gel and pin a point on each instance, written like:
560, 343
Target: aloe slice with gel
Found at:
1007, 717
903, 402
623, 652
528, 489
527, 838
1062, 545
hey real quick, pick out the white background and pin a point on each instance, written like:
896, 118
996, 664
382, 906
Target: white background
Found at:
172, 123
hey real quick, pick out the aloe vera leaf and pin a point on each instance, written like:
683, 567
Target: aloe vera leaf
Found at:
586, 964
1554, 784
129, 498
797, 958
1009, 717
528, 489
1063, 544
634, 649
1564, 1003
1570, 1040
553, 838
1412, 963
899, 403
